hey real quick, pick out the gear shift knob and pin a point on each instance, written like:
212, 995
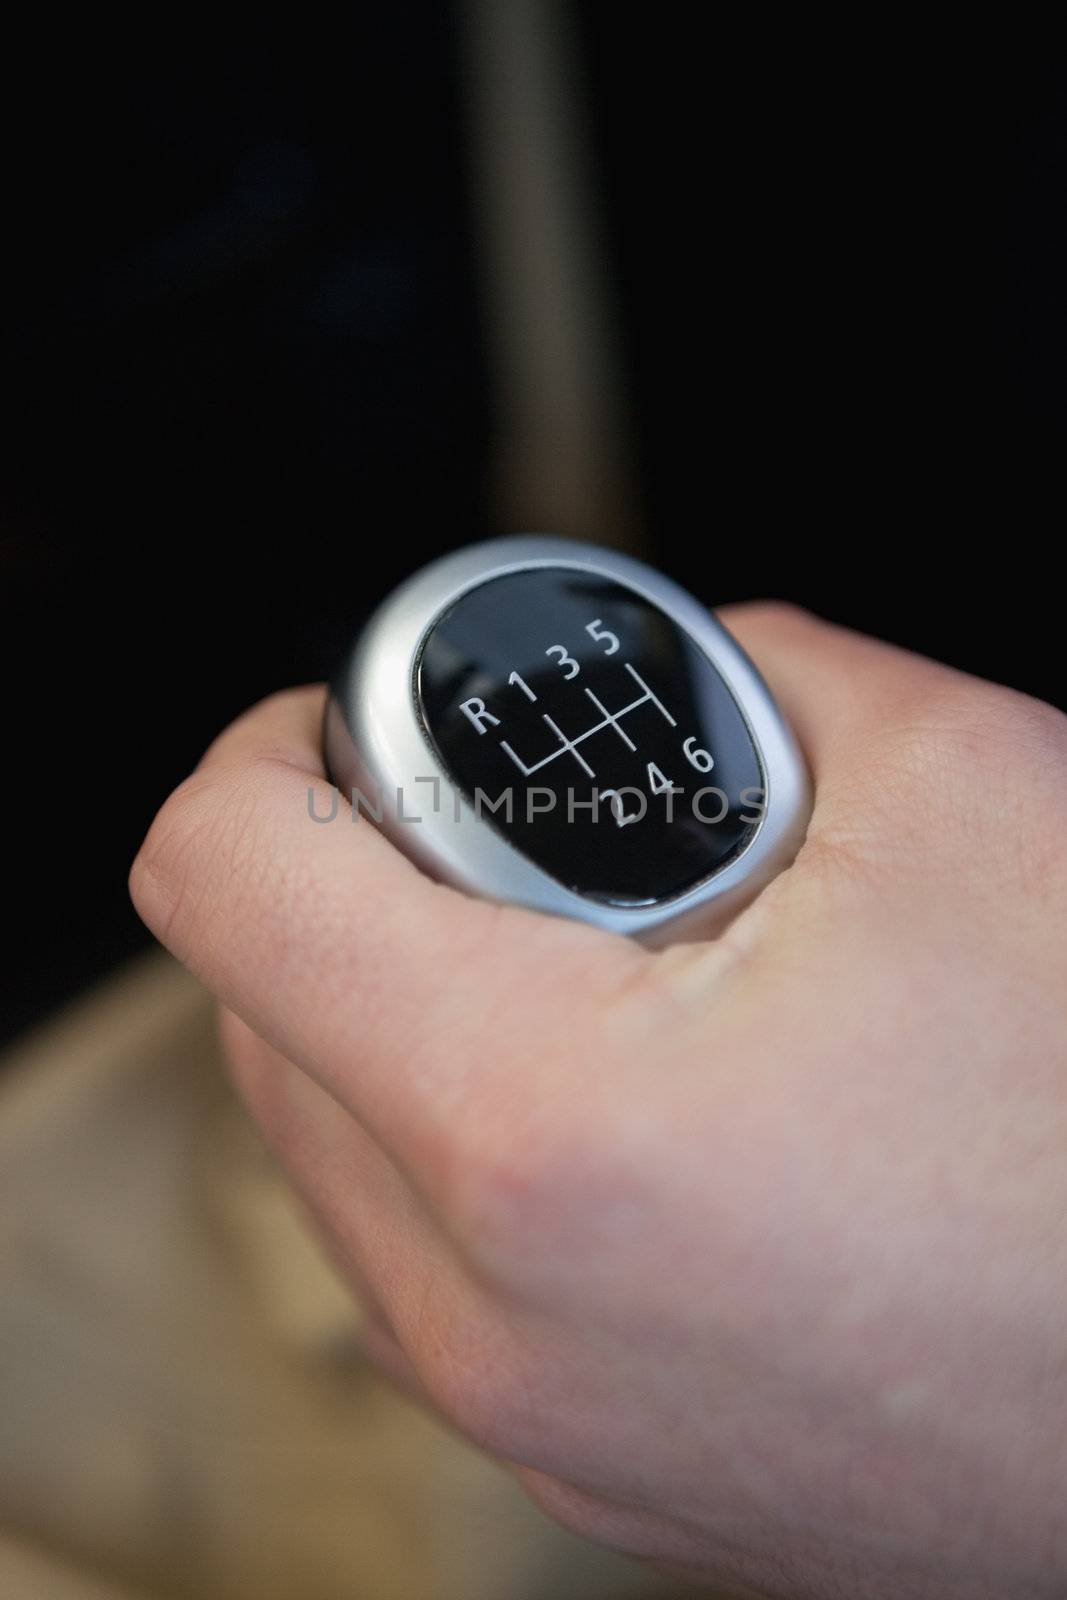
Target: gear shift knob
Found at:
560, 726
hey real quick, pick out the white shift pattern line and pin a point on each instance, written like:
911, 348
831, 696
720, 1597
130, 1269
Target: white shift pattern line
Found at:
610, 719
570, 744
613, 717
648, 693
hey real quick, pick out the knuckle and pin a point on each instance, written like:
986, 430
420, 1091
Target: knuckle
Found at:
985, 723
1032, 733
956, 772
520, 1192
529, 1166
974, 748
498, 1196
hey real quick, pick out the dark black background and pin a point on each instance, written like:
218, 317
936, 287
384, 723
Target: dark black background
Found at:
247, 380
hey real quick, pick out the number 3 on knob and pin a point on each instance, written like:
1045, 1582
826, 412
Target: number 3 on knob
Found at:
565, 660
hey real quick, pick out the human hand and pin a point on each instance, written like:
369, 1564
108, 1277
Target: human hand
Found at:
750, 1256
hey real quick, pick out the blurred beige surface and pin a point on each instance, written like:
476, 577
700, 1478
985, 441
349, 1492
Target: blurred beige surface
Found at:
184, 1410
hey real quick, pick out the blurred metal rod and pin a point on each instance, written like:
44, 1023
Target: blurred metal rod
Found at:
561, 448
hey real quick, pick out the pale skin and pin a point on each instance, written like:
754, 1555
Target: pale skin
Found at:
749, 1256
